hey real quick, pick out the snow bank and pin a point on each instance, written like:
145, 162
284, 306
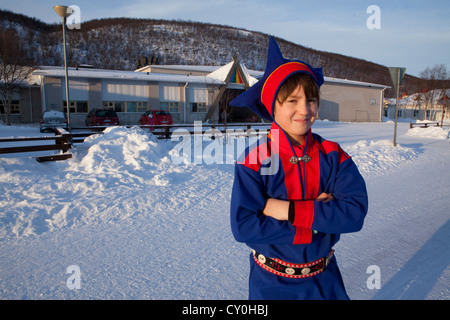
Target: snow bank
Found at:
378, 156
141, 225
120, 150
118, 174
430, 132
86, 188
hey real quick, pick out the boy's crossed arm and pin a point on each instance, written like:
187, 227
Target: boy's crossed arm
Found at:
279, 209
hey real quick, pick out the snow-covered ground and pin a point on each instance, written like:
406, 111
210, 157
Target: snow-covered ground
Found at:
127, 218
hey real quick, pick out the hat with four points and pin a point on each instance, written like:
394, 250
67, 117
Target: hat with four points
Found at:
260, 98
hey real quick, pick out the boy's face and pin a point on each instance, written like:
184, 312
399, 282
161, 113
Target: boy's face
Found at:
296, 115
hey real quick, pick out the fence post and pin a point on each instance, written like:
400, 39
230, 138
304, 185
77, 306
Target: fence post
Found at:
66, 137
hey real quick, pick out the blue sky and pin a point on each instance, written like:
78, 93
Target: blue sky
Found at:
413, 34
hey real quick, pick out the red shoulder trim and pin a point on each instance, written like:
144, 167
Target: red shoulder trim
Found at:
330, 146
256, 156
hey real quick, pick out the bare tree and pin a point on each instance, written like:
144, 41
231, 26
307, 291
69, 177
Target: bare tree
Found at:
13, 69
432, 78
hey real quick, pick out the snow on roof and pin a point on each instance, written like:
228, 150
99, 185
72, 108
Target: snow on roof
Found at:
216, 75
354, 83
206, 69
122, 75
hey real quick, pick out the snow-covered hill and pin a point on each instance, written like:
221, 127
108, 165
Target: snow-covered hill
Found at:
119, 43
137, 223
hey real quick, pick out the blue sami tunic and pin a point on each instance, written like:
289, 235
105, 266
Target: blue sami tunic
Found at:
265, 171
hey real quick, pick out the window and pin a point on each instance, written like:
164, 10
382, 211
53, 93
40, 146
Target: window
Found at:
136, 106
198, 97
108, 104
169, 97
72, 106
82, 106
399, 113
198, 107
131, 107
172, 107
141, 106
416, 113
118, 106
14, 107
126, 106
77, 106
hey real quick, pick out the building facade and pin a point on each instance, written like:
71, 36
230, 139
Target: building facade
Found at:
189, 93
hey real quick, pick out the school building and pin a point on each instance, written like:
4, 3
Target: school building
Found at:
189, 93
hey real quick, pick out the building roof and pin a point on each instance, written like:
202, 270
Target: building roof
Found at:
354, 83
189, 68
122, 75
212, 75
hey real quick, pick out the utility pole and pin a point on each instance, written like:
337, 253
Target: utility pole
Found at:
397, 76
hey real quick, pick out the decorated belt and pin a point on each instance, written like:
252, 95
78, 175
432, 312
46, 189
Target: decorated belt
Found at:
292, 270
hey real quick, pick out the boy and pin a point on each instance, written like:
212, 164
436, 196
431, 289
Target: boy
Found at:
292, 216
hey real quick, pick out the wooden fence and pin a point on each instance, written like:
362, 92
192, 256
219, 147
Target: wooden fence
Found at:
424, 124
65, 140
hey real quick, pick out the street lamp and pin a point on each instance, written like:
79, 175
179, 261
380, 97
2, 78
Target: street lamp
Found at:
64, 12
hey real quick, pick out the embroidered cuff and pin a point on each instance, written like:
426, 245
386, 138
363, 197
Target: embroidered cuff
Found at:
303, 213
302, 236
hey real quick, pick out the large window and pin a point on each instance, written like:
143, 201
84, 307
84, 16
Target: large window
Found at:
169, 97
198, 97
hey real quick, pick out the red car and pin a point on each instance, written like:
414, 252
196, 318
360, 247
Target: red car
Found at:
156, 118
102, 117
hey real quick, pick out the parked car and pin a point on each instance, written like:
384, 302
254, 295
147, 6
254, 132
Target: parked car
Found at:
51, 119
156, 118
102, 117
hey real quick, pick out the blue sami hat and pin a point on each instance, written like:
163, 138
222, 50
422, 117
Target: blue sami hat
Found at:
260, 98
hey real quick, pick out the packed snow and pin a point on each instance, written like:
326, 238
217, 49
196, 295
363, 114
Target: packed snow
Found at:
134, 217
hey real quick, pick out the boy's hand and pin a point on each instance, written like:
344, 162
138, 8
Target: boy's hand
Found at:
325, 197
278, 209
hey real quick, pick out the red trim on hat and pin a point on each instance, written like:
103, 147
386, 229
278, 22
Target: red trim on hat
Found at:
273, 81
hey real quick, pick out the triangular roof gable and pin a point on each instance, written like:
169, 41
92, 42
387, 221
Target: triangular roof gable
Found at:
234, 73
236, 77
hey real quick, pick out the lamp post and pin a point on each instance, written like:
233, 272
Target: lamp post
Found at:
64, 12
